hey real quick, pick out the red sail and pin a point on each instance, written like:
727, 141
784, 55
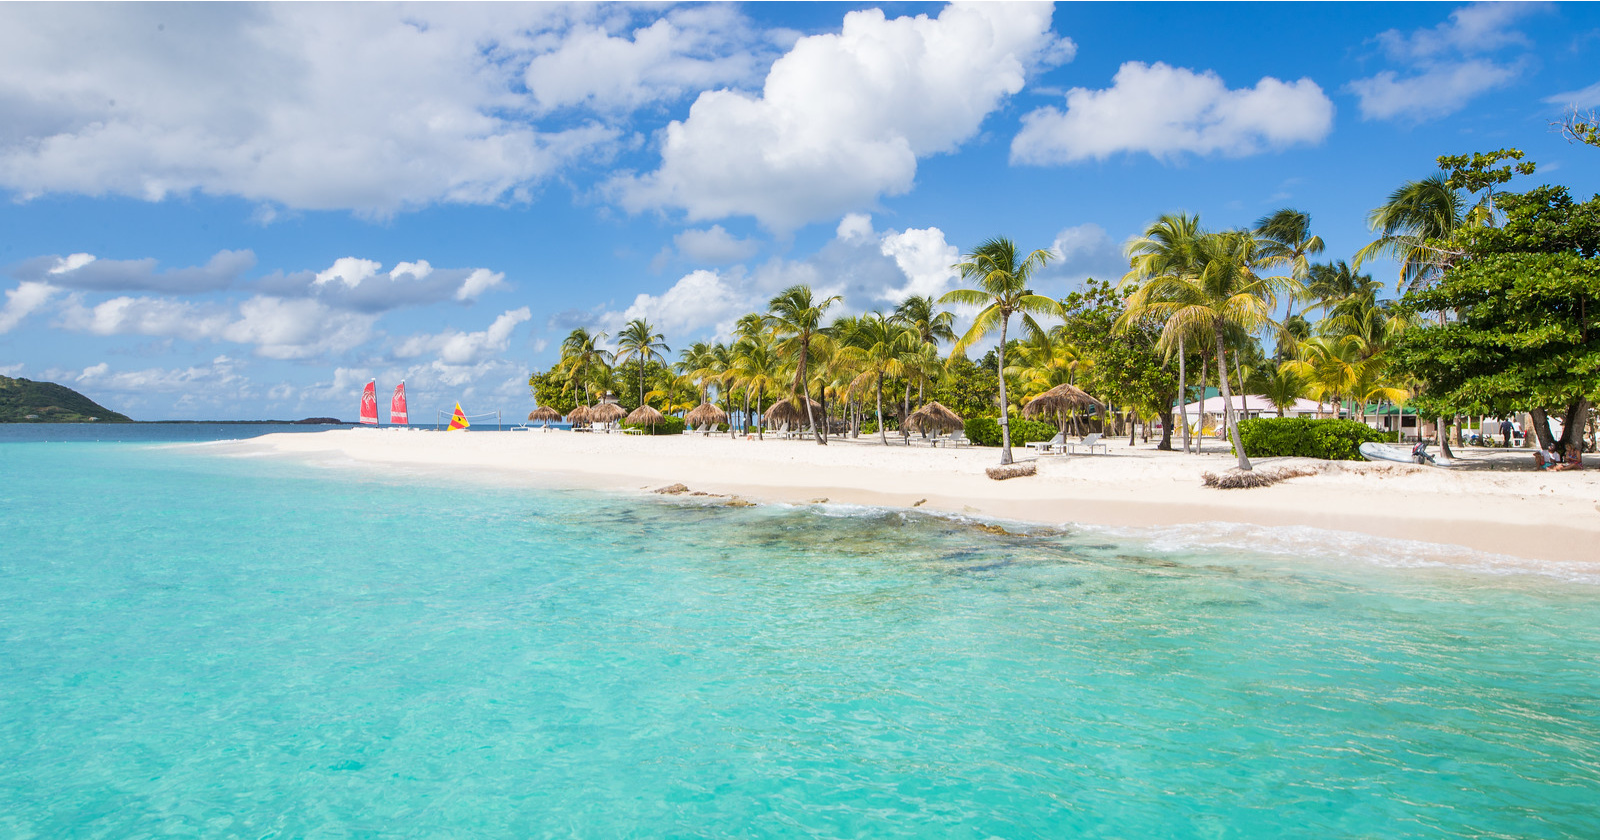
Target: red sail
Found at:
397, 406
369, 403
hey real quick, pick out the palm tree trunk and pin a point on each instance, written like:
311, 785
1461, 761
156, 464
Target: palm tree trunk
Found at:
1005, 427
1183, 397
761, 425
1227, 400
883, 437
805, 389
1244, 396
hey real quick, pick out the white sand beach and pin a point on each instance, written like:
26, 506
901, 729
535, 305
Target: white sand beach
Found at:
1495, 502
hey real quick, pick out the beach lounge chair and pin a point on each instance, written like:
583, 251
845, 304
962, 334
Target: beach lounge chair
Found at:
1043, 447
1089, 443
958, 438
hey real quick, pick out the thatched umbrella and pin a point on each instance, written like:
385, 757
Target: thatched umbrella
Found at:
606, 413
644, 415
580, 416
705, 414
545, 413
1059, 401
791, 412
934, 416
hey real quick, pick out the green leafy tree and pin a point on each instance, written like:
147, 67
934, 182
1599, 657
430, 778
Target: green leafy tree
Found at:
1524, 336
878, 347
968, 388
1126, 366
1169, 248
1003, 277
550, 389
584, 362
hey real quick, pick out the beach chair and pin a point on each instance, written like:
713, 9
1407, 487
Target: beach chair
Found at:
1043, 447
1089, 443
957, 439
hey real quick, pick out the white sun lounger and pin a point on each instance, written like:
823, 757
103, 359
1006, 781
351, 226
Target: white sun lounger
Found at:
1089, 443
1044, 446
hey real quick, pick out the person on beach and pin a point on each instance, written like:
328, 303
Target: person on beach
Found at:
1505, 433
1546, 458
1573, 461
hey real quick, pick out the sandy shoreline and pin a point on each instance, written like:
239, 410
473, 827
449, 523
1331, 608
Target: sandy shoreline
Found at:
1495, 503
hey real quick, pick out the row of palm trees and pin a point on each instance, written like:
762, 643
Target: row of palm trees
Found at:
1214, 294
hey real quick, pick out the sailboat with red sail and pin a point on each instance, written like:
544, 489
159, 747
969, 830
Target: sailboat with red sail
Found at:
369, 403
397, 406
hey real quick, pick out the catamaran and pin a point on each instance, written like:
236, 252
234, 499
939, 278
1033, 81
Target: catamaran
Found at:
397, 406
369, 403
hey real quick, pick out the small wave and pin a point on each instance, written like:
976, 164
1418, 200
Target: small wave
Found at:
1327, 544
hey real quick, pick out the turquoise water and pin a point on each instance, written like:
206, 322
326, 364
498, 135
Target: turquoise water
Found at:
223, 647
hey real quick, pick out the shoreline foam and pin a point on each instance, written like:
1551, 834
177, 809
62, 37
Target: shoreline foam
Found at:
1489, 508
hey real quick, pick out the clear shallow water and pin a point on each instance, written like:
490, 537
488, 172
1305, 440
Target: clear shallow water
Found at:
240, 647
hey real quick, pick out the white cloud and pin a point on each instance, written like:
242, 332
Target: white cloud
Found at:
374, 108
1167, 111
697, 300
22, 301
465, 348
1444, 67
714, 246
277, 328
85, 271
205, 384
1439, 91
1087, 251
12, 370
925, 259
843, 118
689, 50
1588, 97
362, 284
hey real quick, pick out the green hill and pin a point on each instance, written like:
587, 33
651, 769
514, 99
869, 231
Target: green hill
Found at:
26, 401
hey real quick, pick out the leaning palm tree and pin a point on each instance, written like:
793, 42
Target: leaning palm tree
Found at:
754, 367
1003, 276
1286, 239
1226, 294
796, 315
1170, 247
1412, 226
639, 340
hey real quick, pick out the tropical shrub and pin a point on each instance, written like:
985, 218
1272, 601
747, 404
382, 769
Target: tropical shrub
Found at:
1330, 440
985, 431
669, 425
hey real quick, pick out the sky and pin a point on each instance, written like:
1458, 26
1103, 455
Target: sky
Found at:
234, 211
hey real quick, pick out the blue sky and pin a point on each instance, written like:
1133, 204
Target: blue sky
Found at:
231, 211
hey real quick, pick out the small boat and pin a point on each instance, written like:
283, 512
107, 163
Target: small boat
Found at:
1415, 455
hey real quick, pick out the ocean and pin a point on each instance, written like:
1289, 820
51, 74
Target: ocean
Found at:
198, 644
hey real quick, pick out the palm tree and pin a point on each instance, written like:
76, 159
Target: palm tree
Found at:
796, 316
1281, 386
1168, 248
1332, 282
877, 347
1412, 226
1286, 239
931, 325
1226, 294
639, 340
582, 357
1003, 289
754, 366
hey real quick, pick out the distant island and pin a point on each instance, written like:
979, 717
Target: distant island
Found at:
26, 401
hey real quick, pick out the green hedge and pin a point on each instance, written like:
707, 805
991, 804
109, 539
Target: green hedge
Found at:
669, 425
985, 431
1330, 440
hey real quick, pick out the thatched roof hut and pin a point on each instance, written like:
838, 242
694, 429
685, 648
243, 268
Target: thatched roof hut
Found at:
545, 413
792, 413
581, 415
1058, 402
606, 413
705, 414
645, 415
935, 416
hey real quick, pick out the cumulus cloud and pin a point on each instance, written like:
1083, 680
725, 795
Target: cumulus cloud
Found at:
926, 260
362, 285
1445, 66
465, 348
697, 300
88, 272
373, 108
223, 372
1167, 111
843, 118
714, 246
1086, 251
277, 328
22, 301
689, 50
